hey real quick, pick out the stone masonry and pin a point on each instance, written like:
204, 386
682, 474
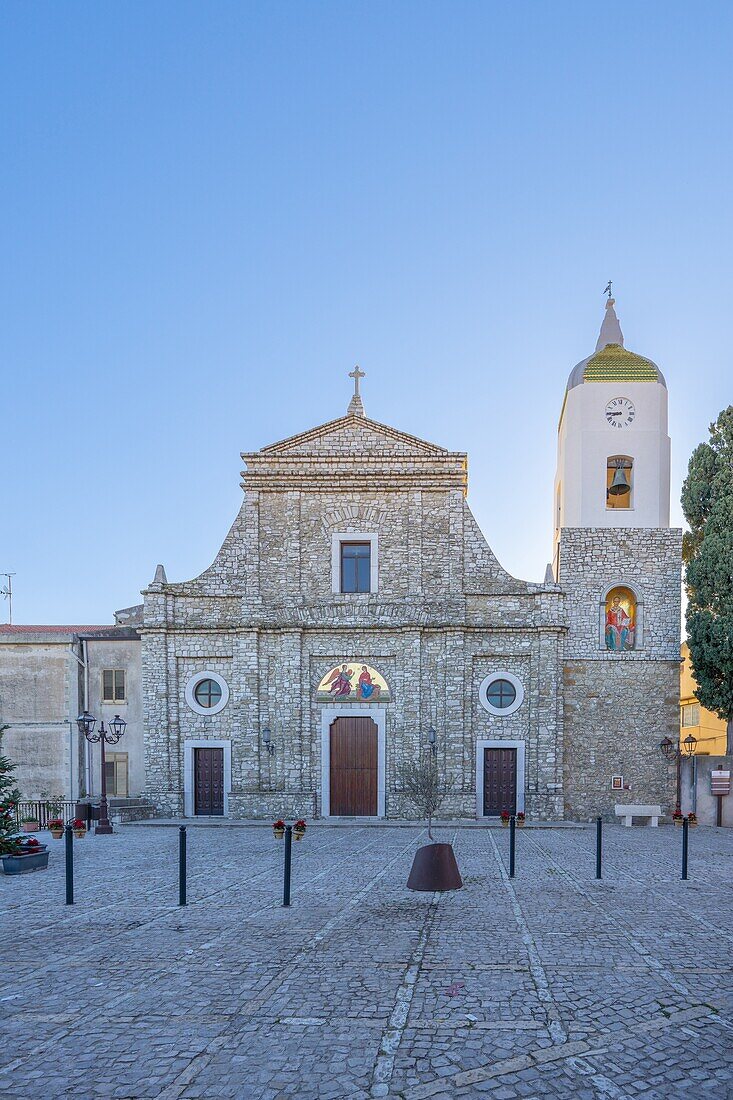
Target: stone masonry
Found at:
619, 706
266, 619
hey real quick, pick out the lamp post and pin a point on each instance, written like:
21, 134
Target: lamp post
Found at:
86, 723
432, 742
674, 752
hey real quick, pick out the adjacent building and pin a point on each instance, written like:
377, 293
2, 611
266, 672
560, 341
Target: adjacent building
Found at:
48, 675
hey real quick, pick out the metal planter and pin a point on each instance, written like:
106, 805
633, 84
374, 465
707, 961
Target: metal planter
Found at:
434, 868
25, 862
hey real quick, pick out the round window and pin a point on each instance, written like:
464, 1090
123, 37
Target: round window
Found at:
501, 694
207, 693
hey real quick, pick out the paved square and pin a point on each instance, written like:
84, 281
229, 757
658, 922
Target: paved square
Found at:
548, 985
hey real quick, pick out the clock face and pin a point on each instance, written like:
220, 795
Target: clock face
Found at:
620, 412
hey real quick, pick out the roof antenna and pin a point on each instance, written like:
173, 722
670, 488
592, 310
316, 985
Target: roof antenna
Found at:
6, 591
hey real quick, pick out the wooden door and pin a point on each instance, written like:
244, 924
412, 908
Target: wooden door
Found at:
208, 784
353, 767
500, 781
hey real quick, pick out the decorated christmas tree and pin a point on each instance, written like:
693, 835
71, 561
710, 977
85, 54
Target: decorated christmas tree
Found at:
9, 796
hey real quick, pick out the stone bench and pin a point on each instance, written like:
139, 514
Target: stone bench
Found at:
627, 812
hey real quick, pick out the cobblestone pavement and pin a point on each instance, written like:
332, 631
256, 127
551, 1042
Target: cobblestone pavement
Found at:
548, 985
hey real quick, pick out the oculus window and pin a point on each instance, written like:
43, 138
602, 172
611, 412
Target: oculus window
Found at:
207, 693
356, 565
501, 693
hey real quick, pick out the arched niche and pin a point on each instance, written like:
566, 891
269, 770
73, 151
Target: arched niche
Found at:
620, 618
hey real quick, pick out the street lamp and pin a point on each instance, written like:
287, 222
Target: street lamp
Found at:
267, 742
432, 741
674, 752
86, 723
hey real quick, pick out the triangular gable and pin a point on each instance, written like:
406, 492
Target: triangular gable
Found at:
356, 434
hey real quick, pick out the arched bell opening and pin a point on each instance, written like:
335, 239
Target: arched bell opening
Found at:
619, 481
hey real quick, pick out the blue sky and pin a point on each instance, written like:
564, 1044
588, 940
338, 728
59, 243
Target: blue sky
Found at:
212, 211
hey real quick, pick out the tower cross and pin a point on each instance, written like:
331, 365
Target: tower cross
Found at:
356, 374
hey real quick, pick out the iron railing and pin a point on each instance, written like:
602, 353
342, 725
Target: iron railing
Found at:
43, 812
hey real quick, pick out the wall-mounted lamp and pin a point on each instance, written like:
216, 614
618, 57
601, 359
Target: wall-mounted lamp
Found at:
267, 742
432, 741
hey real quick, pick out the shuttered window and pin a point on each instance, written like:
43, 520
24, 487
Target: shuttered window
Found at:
113, 685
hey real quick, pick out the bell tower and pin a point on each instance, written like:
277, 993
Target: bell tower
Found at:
619, 565
613, 451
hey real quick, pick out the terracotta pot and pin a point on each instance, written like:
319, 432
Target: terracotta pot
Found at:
29, 826
80, 833
693, 824
505, 824
57, 834
298, 833
434, 868
520, 823
678, 821
278, 833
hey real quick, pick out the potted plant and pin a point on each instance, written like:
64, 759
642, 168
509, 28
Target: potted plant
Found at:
29, 824
299, 828
677, 818
692, 820
520, 819
21, 855
434, 866
79, 828
505, 815
278, 829
56, 827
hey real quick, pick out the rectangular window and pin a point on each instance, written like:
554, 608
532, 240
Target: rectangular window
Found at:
113, 685
356, 563
691, 714
116, 774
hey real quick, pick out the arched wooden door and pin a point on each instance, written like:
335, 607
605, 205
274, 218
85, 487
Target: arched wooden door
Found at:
353, 762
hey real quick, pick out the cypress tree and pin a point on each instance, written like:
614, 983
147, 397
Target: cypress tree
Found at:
707, 502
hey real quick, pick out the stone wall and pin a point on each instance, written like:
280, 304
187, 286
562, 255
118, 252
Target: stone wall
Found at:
619, 706
264, 616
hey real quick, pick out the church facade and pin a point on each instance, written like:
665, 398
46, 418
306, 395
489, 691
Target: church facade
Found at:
355, 618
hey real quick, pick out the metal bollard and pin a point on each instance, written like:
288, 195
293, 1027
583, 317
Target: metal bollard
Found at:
181, 864
69, 843
599, 845
288, 862
512, 843
685, 836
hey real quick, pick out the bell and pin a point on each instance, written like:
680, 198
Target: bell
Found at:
619, 486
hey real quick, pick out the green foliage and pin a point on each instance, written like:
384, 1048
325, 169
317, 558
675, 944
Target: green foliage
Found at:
707, 502
9, 796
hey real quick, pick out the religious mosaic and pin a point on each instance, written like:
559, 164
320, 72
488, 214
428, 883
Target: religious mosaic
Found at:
620, 620
353, 683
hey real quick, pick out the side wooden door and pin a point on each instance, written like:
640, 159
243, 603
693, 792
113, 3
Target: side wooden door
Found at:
500, 781
353, 743
208, 788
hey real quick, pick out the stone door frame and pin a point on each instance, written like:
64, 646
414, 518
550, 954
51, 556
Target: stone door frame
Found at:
485, 743
188, 771
328, 716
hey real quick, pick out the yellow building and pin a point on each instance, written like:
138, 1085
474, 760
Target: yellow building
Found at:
709, 730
